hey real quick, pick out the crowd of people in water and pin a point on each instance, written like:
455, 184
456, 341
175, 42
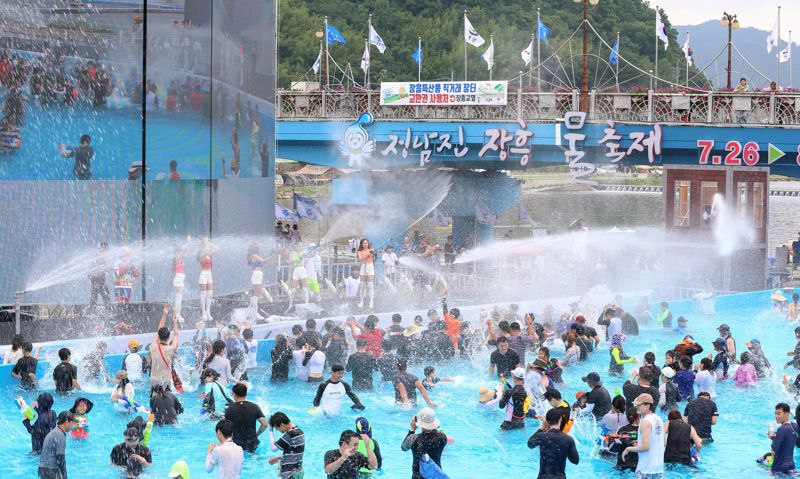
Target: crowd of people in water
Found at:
662, 414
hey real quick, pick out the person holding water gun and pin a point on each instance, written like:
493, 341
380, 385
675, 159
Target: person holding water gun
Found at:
45, 421
80, 409
515, 401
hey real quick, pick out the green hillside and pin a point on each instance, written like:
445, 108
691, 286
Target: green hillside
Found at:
439, 23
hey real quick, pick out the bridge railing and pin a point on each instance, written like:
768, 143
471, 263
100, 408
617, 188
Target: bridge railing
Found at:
756, 108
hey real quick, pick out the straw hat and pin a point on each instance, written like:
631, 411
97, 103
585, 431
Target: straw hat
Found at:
411, 330
122, 374
485, 395
778, 296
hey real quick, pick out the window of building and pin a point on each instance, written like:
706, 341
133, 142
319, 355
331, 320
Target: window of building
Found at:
682, 203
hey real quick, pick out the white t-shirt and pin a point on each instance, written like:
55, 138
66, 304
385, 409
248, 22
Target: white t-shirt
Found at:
300, 371
128, 392
313, 265
652, 460
351, 286
614, 327
332, 398
133, 364
252, 352
389, 262
706, 381
150, 101
316, 364
11, 357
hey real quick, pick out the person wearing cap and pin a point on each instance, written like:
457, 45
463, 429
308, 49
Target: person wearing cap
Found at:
591, 333
730, 343
598, 400
650, 440
488, 398
345, 462
580, 401
720, 363
513, 401
639, 383
133, 362
331, 393
292, 444
555, 447
364, 428
668, 391
131, 456
225, 456
758, 358
504, 358
430, 441
795, 361
681, 328
408, 343
53, 460
45, 421
406, 386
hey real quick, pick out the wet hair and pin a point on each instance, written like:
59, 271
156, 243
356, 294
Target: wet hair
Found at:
64, 354
27, 347
163, 334
299, 343
311, 324
247, 334
551, 393
504, 326
704, 394
396, 318
371, 321
649, 357
361, 343
645, 373
386, 345
744, 358
782, 406
17, 341
401, 364
674, 415
546, 351
610, 312
632, 415
281, 343
429, 370
225, 428
278, 419
297, 329
157, 389
329, 324
706, 364
335, 368
86, 139
686, 362
217, 347
618, 403
515, 326
346, 436
240, 390
502, 339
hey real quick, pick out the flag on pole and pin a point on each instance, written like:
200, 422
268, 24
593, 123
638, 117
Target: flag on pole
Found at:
365, 58
307, 208
786, 54
488, 55
687, 51
483, 215
774, 35
614, 56
376, 39
284, 213
542, 32
523, 215
439, 219
527, 54
317, 62
661, 30
334, 36
417, 55
471, 35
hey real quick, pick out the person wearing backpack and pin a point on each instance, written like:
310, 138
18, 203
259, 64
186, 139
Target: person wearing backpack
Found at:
215, 399
430, 442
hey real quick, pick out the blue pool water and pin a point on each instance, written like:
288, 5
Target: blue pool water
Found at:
186, 137
480, 450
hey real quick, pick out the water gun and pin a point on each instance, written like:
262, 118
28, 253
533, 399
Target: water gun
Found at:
148, 429
81, 429
568, 426
24, 409
504, 381
134, 406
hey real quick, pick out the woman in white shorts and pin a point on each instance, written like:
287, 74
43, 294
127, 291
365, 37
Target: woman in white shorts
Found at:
299, 275
178, 269
256, 262
366, 256
204, 257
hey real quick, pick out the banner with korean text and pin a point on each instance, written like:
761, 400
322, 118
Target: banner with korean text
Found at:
444, 93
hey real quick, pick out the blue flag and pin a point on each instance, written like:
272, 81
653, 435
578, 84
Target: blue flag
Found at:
614, 56
334, 36
306, 208
417, 55
542, 32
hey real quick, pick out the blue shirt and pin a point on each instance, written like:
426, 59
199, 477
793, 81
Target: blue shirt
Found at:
685, 381
783, 448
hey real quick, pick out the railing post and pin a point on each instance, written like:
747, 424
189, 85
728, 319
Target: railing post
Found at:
773, 115
710, 107
592, 100
324, 104
369, 101
519, 104
575, 101
650, 94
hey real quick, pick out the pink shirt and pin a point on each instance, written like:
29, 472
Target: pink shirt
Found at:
745, 375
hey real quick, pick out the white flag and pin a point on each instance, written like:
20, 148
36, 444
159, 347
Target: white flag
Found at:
687, 51
527, 54
376, 39
786, 54
471, 36
483, 215
318, 61
488, 55
365, 58
774, 36
661, 30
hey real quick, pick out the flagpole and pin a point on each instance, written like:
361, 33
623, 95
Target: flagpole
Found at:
617, 65
325, 42
419, 59
656, 64
538, 51
530, 60
491, 44
778, 59
790, 58
369, 30
465, 45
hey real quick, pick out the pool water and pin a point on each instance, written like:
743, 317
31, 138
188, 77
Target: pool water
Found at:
481, 449
186, 137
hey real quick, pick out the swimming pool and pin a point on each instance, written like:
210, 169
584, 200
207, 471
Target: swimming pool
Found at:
116, 133
480, 450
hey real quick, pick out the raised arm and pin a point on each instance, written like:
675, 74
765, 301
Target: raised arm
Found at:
371, 458
161, 322
424, 393
176, 330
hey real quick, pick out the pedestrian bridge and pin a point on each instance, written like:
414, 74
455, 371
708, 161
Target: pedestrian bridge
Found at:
350, 129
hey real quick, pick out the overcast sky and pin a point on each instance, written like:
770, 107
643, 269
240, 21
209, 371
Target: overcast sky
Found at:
751, 13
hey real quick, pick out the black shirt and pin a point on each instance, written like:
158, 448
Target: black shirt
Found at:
679, 441
602, 401
555, 448
121, 456
699, 413
244, 416
166, 408
387, 365
24, 366
517, 397
280, 365
431, 443
632, 391
350, 466
504, 362
362, 365
63, 375
632, 458
410, 382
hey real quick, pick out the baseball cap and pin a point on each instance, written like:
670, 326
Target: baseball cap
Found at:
643, 398
593, 376
681, 319
668, 372
580, 394
580, 319
518, 373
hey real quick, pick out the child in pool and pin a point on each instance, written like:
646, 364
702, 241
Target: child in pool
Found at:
80, 409
431, 380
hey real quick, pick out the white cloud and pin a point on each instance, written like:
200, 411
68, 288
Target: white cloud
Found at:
759, 14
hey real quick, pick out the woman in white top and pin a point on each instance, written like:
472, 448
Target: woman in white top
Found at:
12, 355
300, 363
316, 363
219, 363
573, 352
706, 379
124, 389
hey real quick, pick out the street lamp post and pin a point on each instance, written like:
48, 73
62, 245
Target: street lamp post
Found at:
732, 24
585, 76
